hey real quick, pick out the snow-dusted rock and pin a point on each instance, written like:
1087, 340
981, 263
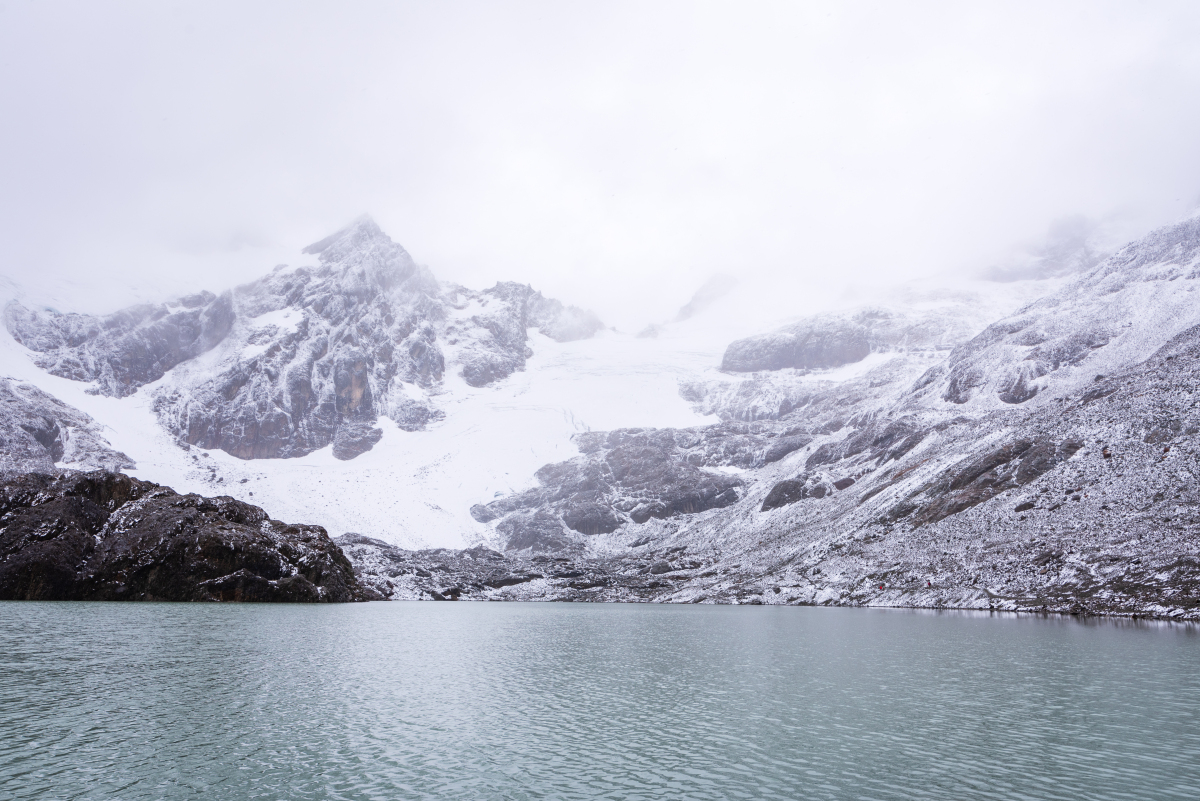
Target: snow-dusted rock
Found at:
122, 351
1114, 315
1081, 498
305, 357
626, 476
835, 340
39, 432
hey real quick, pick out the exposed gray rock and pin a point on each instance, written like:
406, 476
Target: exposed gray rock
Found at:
355, 438
125, 350
835, 340
829, 342
787, 491
1081, 499
1086, 506
540, 531
622, 476
482, 574
1113, 315
305, 357
38, 432
360, 335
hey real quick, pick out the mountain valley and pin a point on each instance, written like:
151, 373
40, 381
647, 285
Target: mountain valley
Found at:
1022, 446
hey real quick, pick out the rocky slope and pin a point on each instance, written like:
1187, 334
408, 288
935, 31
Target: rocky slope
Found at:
305, 357
38, 432
105, 536
120, 352
1049, 463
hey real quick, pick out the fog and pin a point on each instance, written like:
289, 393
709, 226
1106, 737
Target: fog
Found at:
614, 155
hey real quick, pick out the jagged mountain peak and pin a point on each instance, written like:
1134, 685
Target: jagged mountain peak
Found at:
364, 254
305, 357
362, 230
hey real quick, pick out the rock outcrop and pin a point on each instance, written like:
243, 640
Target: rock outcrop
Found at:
625, 476
482, 574
120, 352
1112, 316
39, 432
107, 537
835, 340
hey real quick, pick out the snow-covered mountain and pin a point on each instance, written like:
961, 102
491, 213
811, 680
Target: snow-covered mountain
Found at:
1048, 461
1017, 444
357, 393
303, 358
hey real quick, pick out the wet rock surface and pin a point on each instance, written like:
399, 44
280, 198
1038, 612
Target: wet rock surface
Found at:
104, 536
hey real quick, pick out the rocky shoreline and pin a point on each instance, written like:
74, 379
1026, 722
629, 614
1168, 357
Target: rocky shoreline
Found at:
1159, 589
106, 536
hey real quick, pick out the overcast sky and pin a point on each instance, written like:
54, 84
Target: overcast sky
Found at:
613, 154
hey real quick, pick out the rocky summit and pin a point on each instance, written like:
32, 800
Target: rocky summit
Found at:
104, 536
306, 357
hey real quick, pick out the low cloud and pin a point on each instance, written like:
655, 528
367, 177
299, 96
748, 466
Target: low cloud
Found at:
615, 155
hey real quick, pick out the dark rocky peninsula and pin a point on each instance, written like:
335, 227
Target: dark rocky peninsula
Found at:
104, 536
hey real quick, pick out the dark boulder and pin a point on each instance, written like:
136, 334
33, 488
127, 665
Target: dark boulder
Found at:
784, 446
989, 474
591, 518
541, 530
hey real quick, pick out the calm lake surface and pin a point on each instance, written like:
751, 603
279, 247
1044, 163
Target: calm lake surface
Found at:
523, 701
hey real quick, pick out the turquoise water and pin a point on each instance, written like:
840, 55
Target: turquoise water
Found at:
525, 701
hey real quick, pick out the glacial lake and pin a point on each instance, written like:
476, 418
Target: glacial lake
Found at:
562, 701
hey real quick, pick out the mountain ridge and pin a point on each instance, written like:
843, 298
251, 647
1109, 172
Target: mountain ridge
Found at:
1041, 460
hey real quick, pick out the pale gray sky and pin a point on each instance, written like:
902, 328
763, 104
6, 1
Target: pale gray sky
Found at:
613, 154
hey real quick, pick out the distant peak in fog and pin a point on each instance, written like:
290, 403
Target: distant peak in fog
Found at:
711, 291
1071, 245
362, 229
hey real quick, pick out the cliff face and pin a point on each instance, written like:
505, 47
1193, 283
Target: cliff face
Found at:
304, 357
108, 537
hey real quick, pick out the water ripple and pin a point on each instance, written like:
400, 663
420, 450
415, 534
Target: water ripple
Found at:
537, 701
